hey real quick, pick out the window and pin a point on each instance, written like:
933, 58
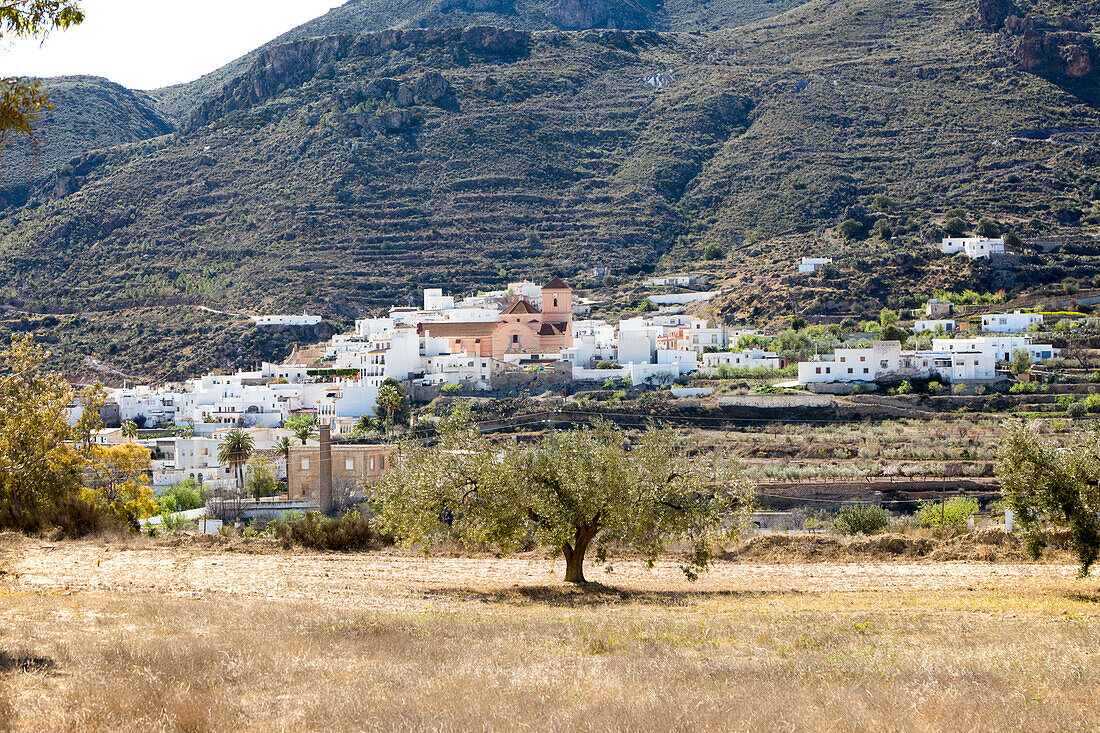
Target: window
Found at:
863, 358
849, 370
372, 463
382, 463
828, 370
865, 370
883, 364
842, 359
349, 464
305, 464
515, 338
819, 370
555, 300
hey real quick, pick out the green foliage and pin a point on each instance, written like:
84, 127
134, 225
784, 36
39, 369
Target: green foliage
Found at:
1046, 483
565, 492
347, 532
865, 519
952, 513
38, 471
905, 388
970, 297
988, 228
955, 227
259, 478
234, 451
850, 229
798, 323
714, 251
1021, 361
180, 497
451, 388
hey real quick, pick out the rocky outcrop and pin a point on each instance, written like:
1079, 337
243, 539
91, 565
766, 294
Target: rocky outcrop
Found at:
477, 6
294, 63
584, 14
1064, 54
993, 13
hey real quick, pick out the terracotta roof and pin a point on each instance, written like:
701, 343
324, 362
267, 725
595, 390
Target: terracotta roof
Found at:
520, 306
556, 284
459, 329
552, 329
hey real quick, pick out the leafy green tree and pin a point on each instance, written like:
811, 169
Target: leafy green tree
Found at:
955, 226
988, 228
129, 430
260, 477
1020, 362
22, 101
1047, 483
89, 421
283, 447
180, 497
887, 318
849, 229
861, 519
883, 202
567, 492
234, 451
38, 470
798, 323
951, 513
713, 251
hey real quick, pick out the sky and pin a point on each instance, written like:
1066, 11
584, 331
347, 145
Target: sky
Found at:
146, 44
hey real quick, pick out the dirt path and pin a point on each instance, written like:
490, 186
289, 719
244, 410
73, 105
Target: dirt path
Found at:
404, 583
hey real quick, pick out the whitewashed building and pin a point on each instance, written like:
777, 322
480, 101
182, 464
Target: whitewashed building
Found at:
944, 324
976, 248
813, 264
747, 359
999, 348
1015, 322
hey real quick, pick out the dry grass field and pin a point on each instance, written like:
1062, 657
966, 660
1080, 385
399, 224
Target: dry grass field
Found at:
195, 638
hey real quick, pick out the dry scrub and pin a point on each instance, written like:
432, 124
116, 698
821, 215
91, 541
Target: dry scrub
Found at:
192, 638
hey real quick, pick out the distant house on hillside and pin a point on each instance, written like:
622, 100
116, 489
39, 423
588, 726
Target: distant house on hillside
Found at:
945, 325
975, 248
813, 264
287, 320
937, 309
679, 280
1016, 322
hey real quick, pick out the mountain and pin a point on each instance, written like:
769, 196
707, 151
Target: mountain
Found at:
89, 113
342, 173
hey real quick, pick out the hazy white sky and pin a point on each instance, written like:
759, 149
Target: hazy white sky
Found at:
145, 44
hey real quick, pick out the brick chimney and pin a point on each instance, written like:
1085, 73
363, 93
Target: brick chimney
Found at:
324, 466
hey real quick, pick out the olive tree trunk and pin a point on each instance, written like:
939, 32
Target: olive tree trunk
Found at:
574, 553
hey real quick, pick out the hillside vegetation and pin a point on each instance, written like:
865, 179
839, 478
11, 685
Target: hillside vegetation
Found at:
343, 173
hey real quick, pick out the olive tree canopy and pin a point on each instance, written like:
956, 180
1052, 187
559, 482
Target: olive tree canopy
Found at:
571, 489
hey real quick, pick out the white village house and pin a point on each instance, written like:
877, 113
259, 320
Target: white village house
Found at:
976, 248
1015, 322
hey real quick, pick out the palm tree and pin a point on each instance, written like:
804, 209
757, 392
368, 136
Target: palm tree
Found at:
129, 430
391, 401
284, 447
235, 450
303, 431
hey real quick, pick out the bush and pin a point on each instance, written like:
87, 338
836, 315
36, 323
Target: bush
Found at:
1077, 409
350, 531
953, 513
861, 519
905, 388
180, 497
1023, 388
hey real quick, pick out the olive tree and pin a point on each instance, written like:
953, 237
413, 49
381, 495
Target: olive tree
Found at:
1047, 483
573, 489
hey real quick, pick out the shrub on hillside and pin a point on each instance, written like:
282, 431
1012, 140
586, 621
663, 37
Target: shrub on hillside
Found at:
350, 531
861, 519
952, 513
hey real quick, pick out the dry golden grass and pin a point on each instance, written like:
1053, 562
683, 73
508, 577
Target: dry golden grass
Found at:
194, 639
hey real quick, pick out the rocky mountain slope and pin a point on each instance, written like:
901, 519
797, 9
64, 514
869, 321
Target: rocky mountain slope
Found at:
343, 173
89, 113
